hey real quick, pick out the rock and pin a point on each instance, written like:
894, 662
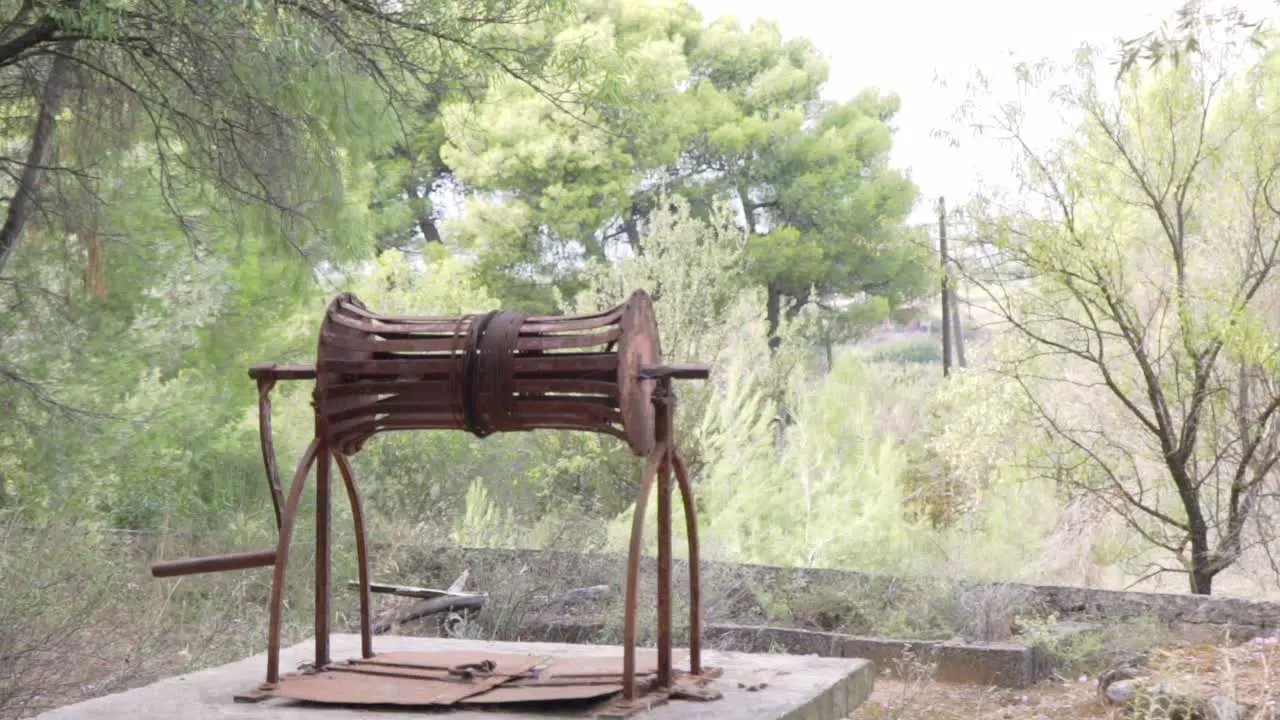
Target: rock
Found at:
1125, 687
1120, 692
1124, 672
1137, 700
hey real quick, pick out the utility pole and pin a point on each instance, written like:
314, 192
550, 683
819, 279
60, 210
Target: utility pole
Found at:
946, 287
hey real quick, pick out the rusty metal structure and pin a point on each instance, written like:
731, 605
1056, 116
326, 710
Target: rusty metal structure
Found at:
496, 372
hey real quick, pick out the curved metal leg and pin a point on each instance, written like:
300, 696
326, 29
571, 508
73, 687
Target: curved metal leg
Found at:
268, 446
282, 560
695, 582
633, 573
362, 552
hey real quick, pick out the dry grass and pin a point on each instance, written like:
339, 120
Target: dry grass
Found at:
1248, 673
80, 616
85, 619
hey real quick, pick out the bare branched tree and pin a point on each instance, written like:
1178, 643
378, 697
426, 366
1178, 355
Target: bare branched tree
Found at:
1137, 272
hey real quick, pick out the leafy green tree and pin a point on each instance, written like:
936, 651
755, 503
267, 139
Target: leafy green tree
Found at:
1137, 280
708, 114
551, 191
825, 213
238, 109
179, 178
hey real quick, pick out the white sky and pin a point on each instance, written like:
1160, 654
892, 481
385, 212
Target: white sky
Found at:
904, 46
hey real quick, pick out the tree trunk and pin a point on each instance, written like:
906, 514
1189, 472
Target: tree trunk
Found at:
1201, 581
632, 228
427, 226
1202, 565
24, 198
798, 305
773, 315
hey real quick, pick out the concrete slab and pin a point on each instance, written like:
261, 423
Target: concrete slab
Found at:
796, 688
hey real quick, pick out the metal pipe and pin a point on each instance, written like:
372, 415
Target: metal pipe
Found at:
664, 572
663, 401
282, 561
214, 563
324, 589
274, 371
687, 371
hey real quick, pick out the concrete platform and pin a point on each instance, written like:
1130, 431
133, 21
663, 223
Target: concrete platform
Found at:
796, 688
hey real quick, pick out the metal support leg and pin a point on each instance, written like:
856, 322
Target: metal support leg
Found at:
695, 581
324, 587
362, 553
289, 516
659, 467
633, 576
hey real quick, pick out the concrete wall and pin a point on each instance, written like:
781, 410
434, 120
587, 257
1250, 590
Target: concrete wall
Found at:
727, 584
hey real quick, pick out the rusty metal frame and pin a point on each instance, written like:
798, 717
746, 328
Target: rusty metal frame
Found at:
485, 351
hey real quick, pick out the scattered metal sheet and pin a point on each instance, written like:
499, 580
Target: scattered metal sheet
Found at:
545, 694
588, 666
472, 678
406, 678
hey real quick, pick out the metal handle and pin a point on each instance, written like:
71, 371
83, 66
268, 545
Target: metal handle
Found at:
272, 371
215, 563
675, 372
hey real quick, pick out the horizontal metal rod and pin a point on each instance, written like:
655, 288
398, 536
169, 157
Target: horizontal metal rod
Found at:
273, 371
675, 372
215, 563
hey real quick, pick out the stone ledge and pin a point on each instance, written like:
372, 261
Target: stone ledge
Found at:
1242, 619
1010, 665
1002, 664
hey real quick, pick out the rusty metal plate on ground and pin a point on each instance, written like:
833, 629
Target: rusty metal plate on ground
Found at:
574, 678
607, 665
543, 694
473, 678
406, 678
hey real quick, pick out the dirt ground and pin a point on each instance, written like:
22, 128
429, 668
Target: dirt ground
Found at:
1248, 673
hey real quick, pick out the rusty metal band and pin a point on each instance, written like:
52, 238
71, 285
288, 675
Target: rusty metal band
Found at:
495, 377
457, 352
471, 363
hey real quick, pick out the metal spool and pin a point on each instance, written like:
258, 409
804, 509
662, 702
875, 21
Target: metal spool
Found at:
497, 372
